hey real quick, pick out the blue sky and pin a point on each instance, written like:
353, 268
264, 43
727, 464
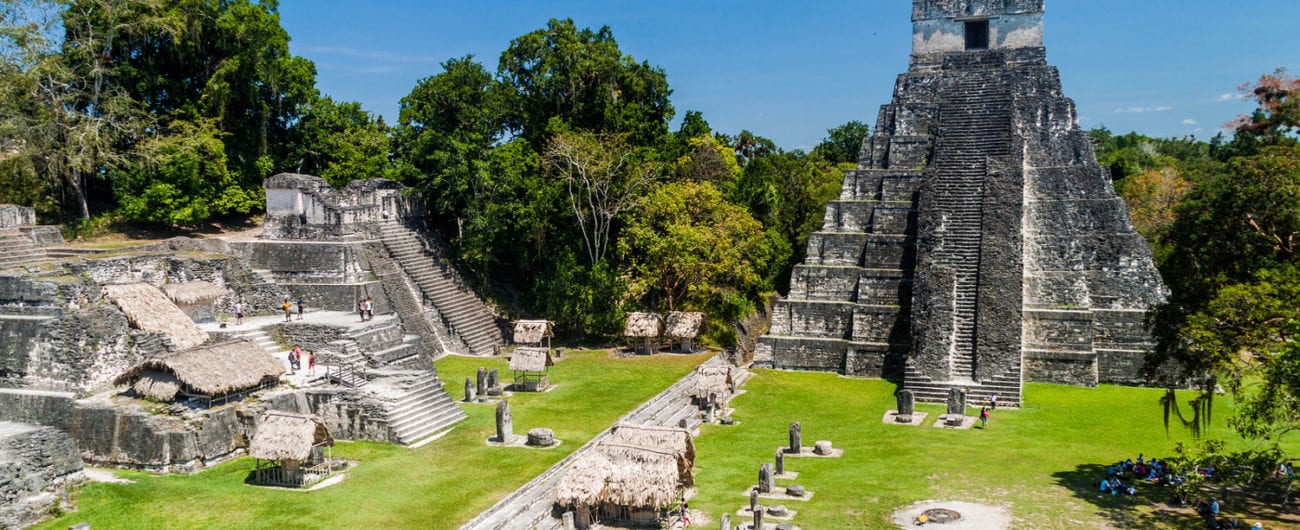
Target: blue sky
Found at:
790, 70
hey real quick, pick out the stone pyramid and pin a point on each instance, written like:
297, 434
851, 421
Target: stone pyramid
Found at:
979, 244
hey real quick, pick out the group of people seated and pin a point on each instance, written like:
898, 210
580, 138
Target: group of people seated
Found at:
1152, 471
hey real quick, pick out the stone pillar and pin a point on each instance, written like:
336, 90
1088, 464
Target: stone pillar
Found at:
470, 391
493, 379
780, 462
956, 407
567, 519
708, 414
482, 381
758, 518
906, 406
504, 428
796, 438
726, 522
765, 478
753, 500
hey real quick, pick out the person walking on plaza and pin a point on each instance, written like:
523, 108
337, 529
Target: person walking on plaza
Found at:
301, 305
288, 312
984, 417
239, 313
993, 402
311, 362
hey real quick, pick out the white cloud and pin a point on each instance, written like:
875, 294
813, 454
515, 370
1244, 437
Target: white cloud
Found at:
1228, 96
1139, 110
1189, 121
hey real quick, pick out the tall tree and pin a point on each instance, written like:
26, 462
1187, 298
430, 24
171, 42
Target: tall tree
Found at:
341, 142
843, 144
581, 78
604, 177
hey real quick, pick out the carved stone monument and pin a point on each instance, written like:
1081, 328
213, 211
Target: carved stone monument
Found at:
505, 429
758, 518
765, 478
780, 462
978, 243
956, 407
470, 391
493, 383
796, 438
482, 381
906, 404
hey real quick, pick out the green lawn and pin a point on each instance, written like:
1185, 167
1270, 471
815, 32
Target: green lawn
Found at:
440, 485
1041, 462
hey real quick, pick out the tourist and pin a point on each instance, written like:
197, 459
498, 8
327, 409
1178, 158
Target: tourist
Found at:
1290, 471
385, 214
993, 402
239, 313
361, 309
311, 362
370, 308
288, 312
984, 417
293, 359
301, 305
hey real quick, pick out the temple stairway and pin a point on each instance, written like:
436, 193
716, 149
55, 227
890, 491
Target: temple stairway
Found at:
975, 123
16, 248
464, 314
423, 412
531, 505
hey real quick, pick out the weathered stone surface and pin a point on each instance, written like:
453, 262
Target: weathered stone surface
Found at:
978, 211
765, 479
778, 511
481, 381
906, 405
753, 499
37, 467
758, 517
956, 402
780, 462
13, 216
795, 490
471, 391
796, 438
823, 447
541, 437
726, 522
505, 428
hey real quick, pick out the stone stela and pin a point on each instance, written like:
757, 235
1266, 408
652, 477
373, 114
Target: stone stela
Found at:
979, 243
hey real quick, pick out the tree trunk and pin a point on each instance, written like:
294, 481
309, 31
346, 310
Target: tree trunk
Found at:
75, 183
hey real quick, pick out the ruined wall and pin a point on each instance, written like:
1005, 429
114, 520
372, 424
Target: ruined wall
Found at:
119, 432
327, 275
13, 216
38, 467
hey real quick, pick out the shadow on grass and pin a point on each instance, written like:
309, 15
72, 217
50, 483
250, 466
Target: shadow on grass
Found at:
1152, 507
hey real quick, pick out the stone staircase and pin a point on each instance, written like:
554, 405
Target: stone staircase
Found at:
974, 130
16, 248
388, 345
405, 298
424, 411
463, 313
1006, 386
531, 505
346, 365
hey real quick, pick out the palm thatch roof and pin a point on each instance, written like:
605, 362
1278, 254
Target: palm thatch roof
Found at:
636, 466
649, 325
532, 331
148, 309
193, 292
287, 436
715, 379
158, 385
214, 370
683, 324
526, 359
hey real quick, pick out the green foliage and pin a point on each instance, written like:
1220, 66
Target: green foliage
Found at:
584, 301
581, 78
843, 143
687, 248
341, 142
182, 179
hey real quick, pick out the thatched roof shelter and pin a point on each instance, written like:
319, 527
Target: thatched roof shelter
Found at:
683, 324
287, 436
712, 379
643, 325
148, 309
193, 292
636, 466
210, 371
530, 359
532, 331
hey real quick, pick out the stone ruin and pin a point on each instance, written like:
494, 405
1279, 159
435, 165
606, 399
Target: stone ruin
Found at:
505, 423
906, 405
67, 338
978, 244
765, 479
796, 438
956, 415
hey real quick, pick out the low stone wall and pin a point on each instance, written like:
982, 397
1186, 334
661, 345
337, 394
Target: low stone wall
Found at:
38, 466
53, 409
13, 216
128, 436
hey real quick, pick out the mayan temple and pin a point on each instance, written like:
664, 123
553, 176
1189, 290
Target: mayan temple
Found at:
978, 244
